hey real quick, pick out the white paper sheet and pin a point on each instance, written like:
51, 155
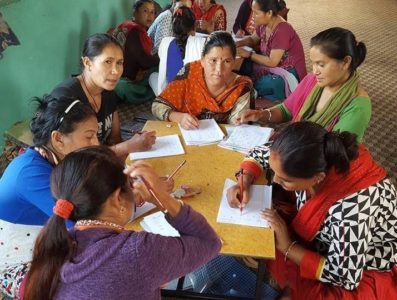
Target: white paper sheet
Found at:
147, 206
245, 137
156, 223
207, 133
261, 197
168, 145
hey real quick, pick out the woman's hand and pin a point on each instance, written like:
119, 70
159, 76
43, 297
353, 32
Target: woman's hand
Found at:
249, 115
233, 196
283, 240
243, 53
188, 121
143, 141
169, 182
240, 33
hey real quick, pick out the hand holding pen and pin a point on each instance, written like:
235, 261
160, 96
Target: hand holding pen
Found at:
238, 195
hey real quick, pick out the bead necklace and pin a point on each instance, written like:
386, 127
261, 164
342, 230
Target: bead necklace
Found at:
96, 108
98, 223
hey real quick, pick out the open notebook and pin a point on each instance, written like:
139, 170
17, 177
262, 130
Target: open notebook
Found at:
156, 223
245, 137
168, 145
207, 133
261, 197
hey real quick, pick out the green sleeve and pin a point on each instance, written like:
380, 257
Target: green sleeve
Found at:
355, 117
285, 112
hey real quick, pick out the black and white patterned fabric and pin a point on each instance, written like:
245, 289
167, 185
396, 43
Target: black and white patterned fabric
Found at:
359, 232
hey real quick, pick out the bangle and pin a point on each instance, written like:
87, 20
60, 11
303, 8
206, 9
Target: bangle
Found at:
289, 249
270, 113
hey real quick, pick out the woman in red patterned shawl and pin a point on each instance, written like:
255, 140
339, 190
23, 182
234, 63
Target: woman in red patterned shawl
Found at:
342, 243
209, 15
134, 87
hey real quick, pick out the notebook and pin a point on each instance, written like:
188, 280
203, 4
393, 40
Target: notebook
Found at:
156, 223
207, 133
261, 197
168, 145
245, 137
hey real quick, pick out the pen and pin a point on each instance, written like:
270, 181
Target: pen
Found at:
240, 180
147, 185
176, 170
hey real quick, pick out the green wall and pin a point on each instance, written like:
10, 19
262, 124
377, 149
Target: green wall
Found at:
51, 33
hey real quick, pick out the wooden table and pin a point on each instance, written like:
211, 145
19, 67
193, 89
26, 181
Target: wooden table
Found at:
207, 168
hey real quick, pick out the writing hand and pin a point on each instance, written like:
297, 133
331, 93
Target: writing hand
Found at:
250, 115
240, 33
189, 121
143, 141
233, 196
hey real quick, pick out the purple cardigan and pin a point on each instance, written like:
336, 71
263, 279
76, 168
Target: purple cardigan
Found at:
133, 265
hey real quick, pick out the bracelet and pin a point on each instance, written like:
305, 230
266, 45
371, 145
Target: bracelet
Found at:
251, 53
289, 249
270, 113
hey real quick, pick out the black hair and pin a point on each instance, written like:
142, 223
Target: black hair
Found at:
306, 148
220, 39
182, 24
271, 5
337, 43
138, 3
94, 45
86, 178
51, 115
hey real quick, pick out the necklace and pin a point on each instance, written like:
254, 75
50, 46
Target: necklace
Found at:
98, 223
95, 107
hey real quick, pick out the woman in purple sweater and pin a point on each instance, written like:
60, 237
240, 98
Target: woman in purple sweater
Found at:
98, 259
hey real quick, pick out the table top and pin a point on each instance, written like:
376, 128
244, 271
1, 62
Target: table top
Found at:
207, 168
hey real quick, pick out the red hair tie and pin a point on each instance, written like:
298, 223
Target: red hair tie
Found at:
63, 208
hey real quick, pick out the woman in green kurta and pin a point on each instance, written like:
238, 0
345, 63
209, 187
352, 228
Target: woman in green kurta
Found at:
332, 95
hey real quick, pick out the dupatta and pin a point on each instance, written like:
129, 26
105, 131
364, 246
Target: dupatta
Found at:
363, 173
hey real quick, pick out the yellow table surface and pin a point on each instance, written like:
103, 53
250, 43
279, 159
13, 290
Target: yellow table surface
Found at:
207, 168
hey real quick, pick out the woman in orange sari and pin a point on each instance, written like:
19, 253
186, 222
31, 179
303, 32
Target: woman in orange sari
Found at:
342, 243
207, 88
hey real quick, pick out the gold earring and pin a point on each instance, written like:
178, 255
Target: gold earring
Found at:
122, 210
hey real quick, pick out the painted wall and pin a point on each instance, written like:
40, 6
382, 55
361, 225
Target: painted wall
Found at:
51, 34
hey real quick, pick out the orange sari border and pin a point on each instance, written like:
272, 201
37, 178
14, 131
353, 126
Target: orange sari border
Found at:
363, 173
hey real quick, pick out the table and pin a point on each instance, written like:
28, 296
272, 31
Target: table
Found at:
207, 168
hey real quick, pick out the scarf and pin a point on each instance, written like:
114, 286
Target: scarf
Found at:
363, 173
336, 104
121, 32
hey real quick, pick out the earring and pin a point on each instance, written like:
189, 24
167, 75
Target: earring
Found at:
122, 210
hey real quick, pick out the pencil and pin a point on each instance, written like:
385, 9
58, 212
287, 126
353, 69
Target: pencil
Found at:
240, 180
176, 170
147, 185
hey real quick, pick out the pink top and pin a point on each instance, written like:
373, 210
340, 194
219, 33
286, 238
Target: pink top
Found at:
283, 37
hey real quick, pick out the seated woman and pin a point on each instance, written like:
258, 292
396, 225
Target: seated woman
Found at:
177, 51
207, 88
162, 25
98, 258
244, 23
138, 59
332, 96
209, 15
58, 127
343, 240
102, 61
280, 64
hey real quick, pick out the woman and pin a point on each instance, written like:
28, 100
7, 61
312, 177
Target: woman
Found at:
58, 127
207, 88
102, 61
342, 242
332, 96
280, 63
176, 51
209, 15
162, 25
138, 59
244, 23
93, 192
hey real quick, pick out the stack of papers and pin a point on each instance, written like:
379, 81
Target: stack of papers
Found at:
156, 223
260, 198
168, 145
245, 137
207, 133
